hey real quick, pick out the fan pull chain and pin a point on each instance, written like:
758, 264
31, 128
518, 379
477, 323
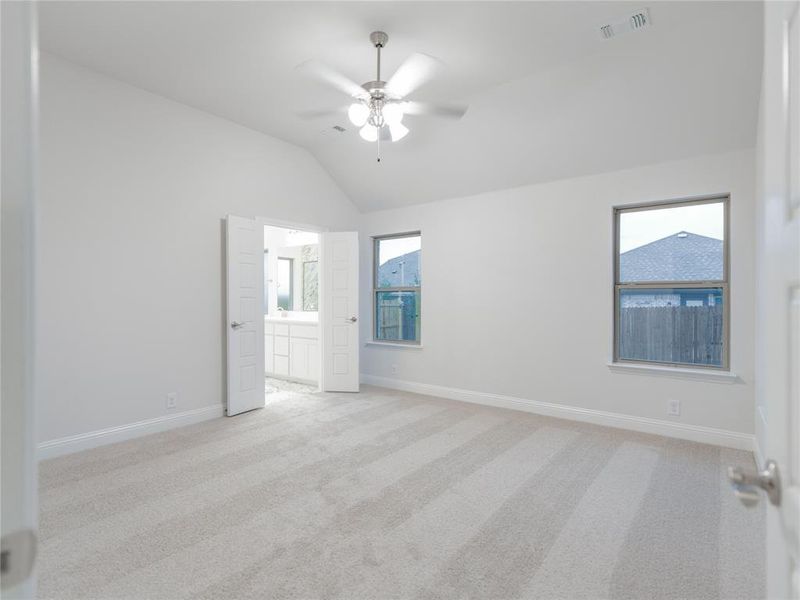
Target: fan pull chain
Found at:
379, 145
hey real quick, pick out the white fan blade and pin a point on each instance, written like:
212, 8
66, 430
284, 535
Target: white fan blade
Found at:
321, 113
326, 74
451, 111
416, 70
398, 131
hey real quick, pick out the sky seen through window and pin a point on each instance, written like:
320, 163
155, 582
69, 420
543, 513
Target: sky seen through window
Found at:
641, 227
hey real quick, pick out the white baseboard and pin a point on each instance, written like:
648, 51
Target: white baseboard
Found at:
694, 433
101, 437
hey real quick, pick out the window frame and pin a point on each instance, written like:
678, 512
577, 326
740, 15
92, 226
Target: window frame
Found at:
266, 281
291, 281
376, 240
723, 284
305, 263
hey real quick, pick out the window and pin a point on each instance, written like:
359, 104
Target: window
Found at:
266, 282
310, 277
671, 283
310, 285
397, 288
285, 283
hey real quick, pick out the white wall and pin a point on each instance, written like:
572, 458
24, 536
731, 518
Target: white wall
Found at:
134, 188
539, 327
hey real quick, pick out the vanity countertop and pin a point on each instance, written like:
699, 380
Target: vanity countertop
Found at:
295, 319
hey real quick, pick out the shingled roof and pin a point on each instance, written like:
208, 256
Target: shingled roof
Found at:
391, 274
682, 256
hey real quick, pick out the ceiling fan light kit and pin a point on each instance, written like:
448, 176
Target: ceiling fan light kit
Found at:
379, 106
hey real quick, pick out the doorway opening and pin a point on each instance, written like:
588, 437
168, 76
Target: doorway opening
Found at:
291, 312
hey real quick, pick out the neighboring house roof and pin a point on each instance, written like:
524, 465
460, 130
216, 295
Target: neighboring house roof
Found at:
682, 256
400, 271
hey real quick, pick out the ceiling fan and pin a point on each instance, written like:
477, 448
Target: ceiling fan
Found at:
379, 106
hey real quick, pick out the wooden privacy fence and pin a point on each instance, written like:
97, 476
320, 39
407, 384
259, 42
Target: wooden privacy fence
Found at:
389, 320
397, 316
675, 334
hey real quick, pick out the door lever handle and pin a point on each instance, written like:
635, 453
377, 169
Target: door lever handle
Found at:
746, 484
236, 325
353, 319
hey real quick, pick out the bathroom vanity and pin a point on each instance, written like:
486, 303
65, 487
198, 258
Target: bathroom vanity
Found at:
291, 347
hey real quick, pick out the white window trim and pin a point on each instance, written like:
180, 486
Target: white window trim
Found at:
373, 341
702, 374
654, 366
408, 346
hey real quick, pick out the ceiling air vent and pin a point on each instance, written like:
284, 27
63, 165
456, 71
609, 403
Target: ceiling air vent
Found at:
638, 20
334, 131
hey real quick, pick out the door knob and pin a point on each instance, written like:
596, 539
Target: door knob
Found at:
746, 484
236, 325
17, 555
353, 319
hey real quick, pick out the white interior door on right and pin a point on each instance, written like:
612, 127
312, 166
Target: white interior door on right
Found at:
778, 301
339, 325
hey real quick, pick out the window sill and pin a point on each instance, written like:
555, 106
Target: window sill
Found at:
392, 345
707, 375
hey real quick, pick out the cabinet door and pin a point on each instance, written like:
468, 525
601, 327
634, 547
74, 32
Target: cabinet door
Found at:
269, 355
313, 360
281, 365
298, 358
281, 345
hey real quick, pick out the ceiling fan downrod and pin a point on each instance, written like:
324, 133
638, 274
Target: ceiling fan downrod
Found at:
379, 40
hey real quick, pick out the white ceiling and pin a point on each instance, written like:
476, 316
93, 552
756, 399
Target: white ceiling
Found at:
548, 97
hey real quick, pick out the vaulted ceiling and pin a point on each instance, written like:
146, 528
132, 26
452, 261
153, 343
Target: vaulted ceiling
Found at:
548, 97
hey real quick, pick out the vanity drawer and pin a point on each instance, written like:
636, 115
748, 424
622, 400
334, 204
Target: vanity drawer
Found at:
304, 331
281, 329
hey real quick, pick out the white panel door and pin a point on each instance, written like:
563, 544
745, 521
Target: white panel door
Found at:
778, 291
245, 323
339, 311
19, 506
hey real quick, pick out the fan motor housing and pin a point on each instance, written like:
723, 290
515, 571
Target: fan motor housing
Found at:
375, 88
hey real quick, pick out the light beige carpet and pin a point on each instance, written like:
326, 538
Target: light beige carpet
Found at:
392, 495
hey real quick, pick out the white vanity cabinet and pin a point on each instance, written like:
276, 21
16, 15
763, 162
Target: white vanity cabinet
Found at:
291, 349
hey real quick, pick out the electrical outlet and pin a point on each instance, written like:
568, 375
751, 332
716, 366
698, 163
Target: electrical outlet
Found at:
172, 400
674, 407
394, 369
